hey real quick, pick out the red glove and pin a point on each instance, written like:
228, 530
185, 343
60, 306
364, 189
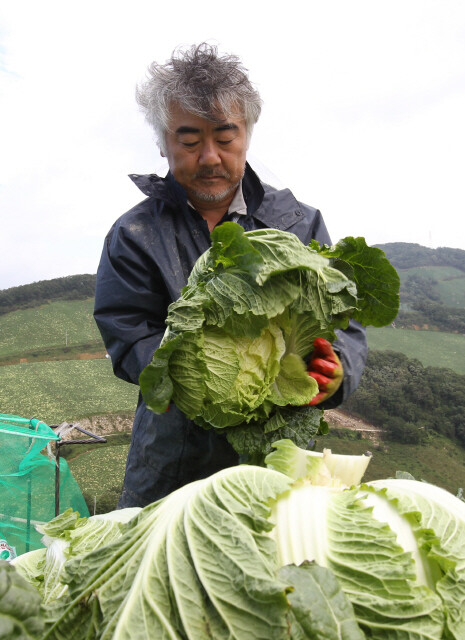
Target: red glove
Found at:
326, 368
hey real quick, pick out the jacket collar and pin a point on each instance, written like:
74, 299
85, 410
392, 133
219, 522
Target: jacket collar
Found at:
153, 185
276, 209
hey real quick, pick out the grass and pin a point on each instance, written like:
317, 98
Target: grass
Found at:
99, 471
432, 348
435, 273
65, 391
450, 283
61, 324
452, 292
46, 354
440, 461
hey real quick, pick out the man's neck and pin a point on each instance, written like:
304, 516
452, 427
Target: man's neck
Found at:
212, 212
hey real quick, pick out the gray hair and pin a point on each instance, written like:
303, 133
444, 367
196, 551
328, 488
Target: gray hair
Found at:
201, 82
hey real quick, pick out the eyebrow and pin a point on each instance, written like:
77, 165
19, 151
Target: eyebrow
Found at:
229, 126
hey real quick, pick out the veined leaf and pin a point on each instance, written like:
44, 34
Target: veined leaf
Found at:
238, 339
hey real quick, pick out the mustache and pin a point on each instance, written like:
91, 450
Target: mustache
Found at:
211, 173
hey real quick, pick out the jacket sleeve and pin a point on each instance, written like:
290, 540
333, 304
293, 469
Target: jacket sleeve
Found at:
352, 348
130, 303
351, 344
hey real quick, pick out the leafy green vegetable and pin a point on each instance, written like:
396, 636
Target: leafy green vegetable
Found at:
322, 469
377, 296
437, 520
234, 351
299, 424
339, 531
65, 537
197, 564
21, 617
319, 608
251, 552
396, 547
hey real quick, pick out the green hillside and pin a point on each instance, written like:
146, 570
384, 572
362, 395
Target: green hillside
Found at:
432, 348
447, 284
405, 255
452, 292
438, 273
26, 296
99, 471
64, 391
58, 325
438, 461
432, 292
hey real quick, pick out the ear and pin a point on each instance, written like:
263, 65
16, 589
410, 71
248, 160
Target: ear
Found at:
162, 154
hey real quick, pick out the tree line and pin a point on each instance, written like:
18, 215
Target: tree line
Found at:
409, 400
77, 287
405, 255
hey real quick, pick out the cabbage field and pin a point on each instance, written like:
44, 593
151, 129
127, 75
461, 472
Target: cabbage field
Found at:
431, 348
59, 324
64, 391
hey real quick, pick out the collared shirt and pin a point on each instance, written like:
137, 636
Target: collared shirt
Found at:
237, 207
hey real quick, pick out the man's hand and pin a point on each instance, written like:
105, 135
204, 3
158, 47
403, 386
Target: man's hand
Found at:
326, 368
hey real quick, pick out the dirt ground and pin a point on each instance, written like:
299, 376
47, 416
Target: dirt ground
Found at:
98, 425
339, 419
91, 356
105, 425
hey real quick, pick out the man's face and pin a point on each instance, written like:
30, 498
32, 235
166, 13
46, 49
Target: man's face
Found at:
207, 158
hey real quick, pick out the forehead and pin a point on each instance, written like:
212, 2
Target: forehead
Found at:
180, 117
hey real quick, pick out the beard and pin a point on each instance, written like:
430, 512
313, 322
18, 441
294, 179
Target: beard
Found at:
207, 196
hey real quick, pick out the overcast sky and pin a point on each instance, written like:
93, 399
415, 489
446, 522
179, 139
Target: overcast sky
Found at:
363, 116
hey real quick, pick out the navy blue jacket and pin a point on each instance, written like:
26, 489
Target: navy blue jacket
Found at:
146, 260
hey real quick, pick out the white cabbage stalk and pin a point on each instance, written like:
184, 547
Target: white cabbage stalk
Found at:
322, 469
393, 545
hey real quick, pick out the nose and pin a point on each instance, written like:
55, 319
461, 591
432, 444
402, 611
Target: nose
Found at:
209, 154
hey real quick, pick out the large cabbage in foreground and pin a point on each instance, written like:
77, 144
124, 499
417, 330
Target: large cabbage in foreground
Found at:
286, 552
237, 339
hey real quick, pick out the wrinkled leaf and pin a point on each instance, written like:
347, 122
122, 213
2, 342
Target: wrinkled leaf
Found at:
196, 564
299, 424
21, 617
239, 337
376, 279
320, 609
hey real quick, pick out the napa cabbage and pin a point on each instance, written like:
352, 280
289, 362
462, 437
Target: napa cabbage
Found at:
300, 549
234, 353
67, 536
21, 616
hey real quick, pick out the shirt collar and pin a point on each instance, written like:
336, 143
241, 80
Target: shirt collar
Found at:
237, 203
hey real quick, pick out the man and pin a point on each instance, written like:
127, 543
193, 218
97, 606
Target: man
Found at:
203, 109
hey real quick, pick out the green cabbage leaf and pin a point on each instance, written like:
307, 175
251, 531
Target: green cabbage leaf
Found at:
197, 564
237, 340
66, 536
21, 616
254, 553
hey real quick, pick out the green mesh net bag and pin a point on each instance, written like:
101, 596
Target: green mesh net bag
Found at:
28, 491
